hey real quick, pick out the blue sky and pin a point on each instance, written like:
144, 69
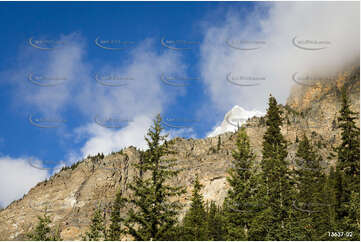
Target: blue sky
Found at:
184, 78
112, 21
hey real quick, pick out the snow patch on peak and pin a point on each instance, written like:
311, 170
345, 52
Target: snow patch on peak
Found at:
234, 119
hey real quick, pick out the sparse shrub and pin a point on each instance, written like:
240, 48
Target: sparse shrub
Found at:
43, 232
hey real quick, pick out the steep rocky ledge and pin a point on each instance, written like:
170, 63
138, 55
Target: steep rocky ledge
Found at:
71, 195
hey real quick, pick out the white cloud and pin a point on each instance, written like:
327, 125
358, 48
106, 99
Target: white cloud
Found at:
17, 176
64, 66
278, 58
139, 101
234, 119
104, 140
180, 132
145, 95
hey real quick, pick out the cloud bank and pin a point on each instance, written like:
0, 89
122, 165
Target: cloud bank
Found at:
258, 49
17, 176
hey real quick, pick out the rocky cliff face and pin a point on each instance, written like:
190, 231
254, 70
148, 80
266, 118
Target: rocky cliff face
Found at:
70, 196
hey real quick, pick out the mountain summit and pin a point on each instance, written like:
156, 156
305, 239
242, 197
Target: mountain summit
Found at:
234, 119
70, 196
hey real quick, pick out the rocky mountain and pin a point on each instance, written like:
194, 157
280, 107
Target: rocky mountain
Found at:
70, 196
233, 119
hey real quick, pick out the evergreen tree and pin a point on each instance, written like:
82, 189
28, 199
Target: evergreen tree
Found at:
154, 215
349, 150
330, 194
219, 144
115, 228
215, 223
274, 218
348, 166
97, 227
312, 201
239, 203
194, 222
43, 231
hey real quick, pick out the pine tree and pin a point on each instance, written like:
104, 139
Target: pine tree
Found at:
348, 167
330, 194
115, 228
43, 231
349, 149
312, 202
194, 222
215, 223
275, 216
219, 144
97, 227
239, 203
154, 215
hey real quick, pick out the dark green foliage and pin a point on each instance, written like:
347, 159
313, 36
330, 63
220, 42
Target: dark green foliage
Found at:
153, 215
330, 196
96, 158
274, 216
312, 202
238, 209
266, 201
262, 121
97, 229
215, 223
349, 150
194, 223
347, 185
72, 167
115, 229
43, 231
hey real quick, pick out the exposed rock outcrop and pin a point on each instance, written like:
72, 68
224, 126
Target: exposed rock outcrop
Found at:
71, 195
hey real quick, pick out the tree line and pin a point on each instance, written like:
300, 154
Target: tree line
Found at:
266, 201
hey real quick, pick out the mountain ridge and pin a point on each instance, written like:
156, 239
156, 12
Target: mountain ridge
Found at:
71, 194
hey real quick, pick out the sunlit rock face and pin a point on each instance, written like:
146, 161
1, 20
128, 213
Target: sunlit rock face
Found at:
70, 196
